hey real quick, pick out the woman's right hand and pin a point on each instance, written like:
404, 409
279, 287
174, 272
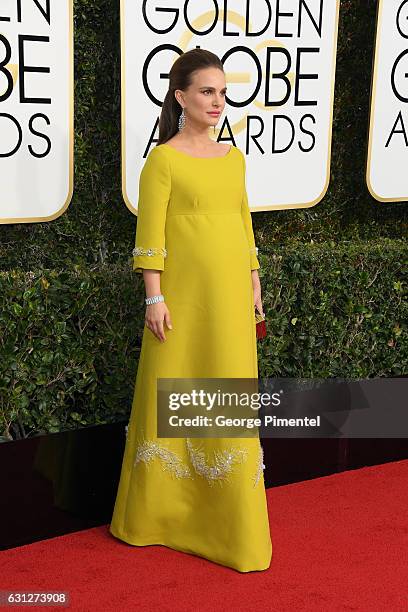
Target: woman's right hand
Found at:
156, 314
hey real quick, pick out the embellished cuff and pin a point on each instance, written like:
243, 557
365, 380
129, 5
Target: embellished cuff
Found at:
149, 259
253, 252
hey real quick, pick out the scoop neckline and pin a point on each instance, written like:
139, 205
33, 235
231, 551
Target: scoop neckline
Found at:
164, 144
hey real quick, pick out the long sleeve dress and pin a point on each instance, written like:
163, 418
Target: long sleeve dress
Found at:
201, 496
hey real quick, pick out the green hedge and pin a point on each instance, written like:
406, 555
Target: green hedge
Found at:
70, 339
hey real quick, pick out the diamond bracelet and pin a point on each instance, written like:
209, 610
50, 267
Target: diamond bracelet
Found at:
154, 299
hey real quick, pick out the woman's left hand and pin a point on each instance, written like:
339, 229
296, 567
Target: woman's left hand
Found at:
256, 285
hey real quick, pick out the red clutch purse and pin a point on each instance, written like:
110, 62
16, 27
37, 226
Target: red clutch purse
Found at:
260, 326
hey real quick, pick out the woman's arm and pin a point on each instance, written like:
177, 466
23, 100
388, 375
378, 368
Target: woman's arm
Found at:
155, 313
256, 286
253, 250
150, 251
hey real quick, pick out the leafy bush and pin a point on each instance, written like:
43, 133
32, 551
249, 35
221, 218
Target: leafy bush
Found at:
70, 339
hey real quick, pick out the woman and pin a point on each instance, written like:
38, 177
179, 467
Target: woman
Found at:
195, 247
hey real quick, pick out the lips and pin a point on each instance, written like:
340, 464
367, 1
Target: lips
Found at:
214, 113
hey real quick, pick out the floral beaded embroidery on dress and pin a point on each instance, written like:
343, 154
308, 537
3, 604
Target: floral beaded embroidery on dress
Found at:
148, 450
261, 465
224, 461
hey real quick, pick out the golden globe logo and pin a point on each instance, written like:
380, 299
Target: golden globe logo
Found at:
279, 65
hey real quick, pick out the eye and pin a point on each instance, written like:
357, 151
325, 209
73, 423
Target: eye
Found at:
209, 91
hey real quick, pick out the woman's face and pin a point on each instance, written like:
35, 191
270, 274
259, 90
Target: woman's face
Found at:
206, 94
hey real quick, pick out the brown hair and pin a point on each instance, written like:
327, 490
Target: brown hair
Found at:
181, 78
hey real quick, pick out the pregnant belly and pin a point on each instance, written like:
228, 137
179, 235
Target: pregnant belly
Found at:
206, 244
207, 267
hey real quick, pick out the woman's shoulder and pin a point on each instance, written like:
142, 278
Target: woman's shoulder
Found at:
156, 158
240, 153
156, 152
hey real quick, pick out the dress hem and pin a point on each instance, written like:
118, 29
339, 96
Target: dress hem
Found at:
125, 538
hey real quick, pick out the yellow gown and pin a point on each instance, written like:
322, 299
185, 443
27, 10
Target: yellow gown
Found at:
200, 496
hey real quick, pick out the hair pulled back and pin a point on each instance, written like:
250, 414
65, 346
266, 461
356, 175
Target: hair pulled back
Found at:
181, 74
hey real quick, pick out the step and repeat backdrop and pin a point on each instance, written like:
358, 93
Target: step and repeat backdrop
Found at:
279, 60
36, 109
387, 159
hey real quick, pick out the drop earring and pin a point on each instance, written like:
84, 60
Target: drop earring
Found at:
182, 120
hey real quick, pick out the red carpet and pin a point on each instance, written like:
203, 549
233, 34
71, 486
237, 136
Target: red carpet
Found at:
339, 543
